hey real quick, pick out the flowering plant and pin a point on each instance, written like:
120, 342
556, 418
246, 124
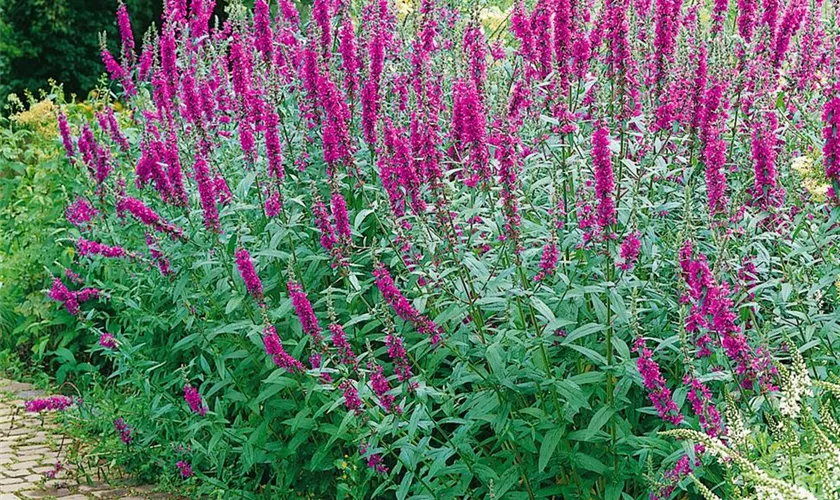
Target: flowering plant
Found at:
481, 263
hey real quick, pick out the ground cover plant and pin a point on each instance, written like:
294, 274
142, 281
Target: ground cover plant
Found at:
572, 250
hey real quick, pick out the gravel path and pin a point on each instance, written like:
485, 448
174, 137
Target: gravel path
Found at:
29, 450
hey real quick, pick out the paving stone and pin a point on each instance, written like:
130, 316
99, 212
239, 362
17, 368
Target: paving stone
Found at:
11, 488
29, 450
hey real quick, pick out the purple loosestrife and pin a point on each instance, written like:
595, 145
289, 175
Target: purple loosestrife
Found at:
272, 147
622, 66
370, 91
791, 22
51, 403
342, 221
322, 222
469, 127
223, 193
475, 52
719, 11
303, 309
71, 300
168, 64
207, 193
548, 261
746, 18
831, 147
770, 15
374, 461
655, 384
124, 430
629, 252
765, 191
194, 400
334, 129
107, 341
700, 398
351, 397
147, 216
80, 212
90, 248
126, 34
173, 170
396, 351
665, 38
562, 40
604, 182
714, 149
264, 38
541, 31
158, 257
349, 59
382, 390
249, 274
345, 351
66, 138
274, 348
401, 305
520, 26
184, 469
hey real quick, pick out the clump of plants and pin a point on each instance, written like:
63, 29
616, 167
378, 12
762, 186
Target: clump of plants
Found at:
390, 252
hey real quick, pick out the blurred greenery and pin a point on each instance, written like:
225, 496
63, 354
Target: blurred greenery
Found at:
42, 39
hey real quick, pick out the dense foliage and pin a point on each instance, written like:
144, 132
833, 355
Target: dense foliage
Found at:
35, 184
407, 250
57, 39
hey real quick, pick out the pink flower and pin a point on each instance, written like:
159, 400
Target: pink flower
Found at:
249, 274
397, 353
273, 148
629, 251
401, 305
548, 261
382, 390
66, 137
604, 183
147, 216
351, 397
322, 222
345, 351
71, 300
374, 460
274, 348
349, 59
87, 248
207, 193
701, 403
653, 381
339, 213
125, 431
194, 400
304, 311
262, 27
107, 341
831, 136
51, 403
80, 212
746, 18
765, 190
184, 469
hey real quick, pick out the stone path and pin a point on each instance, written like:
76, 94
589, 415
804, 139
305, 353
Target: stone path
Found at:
29, 450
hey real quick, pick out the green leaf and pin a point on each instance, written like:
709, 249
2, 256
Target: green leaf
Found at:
549, 444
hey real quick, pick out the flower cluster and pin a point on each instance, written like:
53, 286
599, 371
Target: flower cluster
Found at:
194, 400
51, 403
